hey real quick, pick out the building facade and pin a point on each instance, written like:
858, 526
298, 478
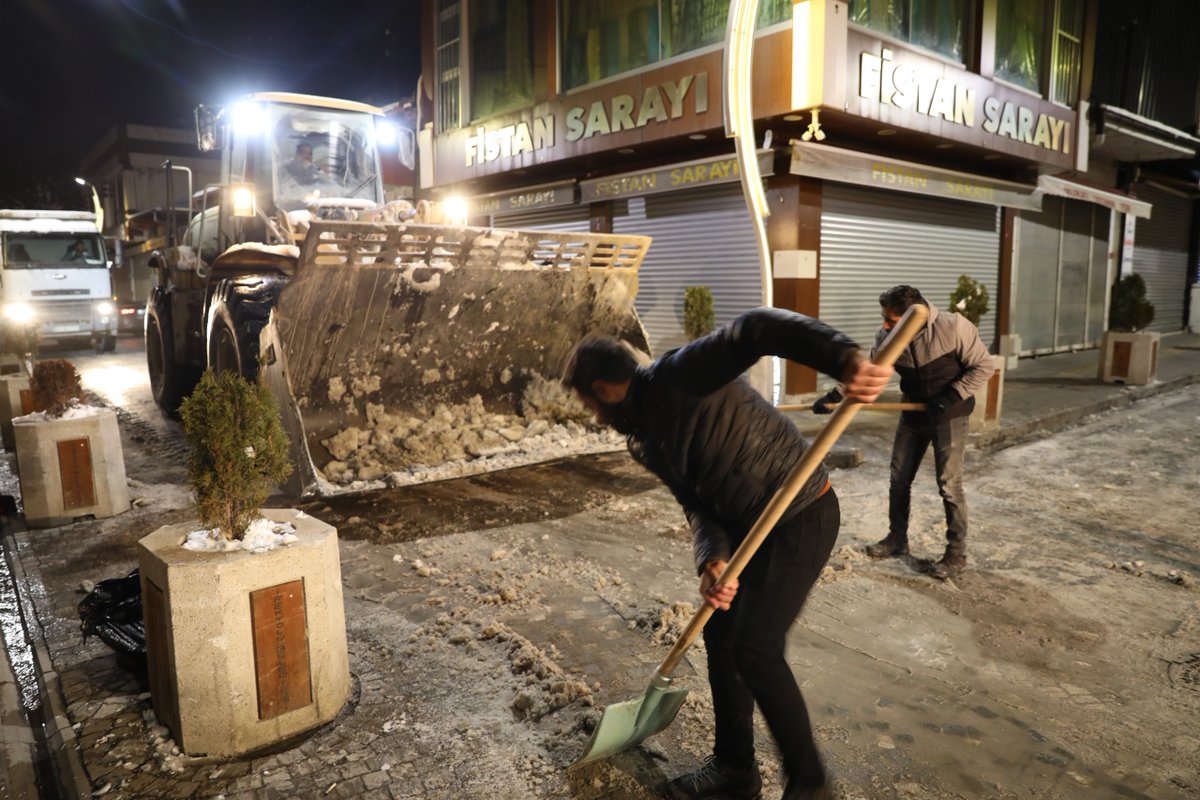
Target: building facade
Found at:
901, 142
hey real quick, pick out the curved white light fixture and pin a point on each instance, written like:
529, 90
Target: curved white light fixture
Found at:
737, 95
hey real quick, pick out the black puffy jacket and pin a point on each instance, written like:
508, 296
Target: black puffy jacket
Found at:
720, 447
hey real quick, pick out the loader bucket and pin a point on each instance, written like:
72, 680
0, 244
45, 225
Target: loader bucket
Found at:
395, 338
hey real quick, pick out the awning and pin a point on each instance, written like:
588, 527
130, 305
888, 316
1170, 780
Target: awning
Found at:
851, 166
1091, 194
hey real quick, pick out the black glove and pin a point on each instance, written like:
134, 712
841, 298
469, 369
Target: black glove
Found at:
941, 401
826, 403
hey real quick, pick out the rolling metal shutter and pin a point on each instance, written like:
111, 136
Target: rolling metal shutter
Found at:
700, 238
567, 219
1160, 255
872, 240
1061, 279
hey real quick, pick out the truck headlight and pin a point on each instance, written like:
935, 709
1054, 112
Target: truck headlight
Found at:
104, 309
21, 313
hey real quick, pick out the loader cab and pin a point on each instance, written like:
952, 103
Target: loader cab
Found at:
298, 153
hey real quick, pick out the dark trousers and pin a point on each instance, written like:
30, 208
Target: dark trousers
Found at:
949, 440
745, 644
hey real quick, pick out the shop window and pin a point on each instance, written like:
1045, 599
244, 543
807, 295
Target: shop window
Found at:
501, 42
935, 25
449, 60
1039, 46
603, 38
1068, 52
1021, 42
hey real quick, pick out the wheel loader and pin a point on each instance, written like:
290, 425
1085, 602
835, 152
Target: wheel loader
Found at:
401, 347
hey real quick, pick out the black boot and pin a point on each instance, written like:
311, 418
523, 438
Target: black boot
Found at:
888, 547
714, 779
951, 565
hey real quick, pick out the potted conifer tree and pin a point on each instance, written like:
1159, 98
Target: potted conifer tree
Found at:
1128, 352
245, 630
69, 457
699, 316
970, 298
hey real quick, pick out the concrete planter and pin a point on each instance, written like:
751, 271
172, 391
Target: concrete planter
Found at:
15, 401
1129, 358
70, 468
989, 399
245, 650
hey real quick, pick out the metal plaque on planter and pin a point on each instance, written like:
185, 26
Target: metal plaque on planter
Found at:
75, 473
280, 648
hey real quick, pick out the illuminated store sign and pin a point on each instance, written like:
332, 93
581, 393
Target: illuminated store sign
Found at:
657, 103
909, 87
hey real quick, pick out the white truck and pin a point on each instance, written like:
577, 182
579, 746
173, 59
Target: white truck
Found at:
54, 275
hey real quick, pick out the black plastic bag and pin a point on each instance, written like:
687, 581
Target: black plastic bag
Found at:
113, 611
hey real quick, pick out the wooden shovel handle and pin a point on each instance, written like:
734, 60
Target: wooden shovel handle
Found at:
896, 341
865, 407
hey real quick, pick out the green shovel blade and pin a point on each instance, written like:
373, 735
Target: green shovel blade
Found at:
622, 725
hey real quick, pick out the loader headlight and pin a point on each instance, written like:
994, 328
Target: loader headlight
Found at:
386, 133
248, 119
243, 199
20, 313
456, 210
104, 309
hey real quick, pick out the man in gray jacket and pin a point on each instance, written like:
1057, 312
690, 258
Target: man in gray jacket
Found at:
723, 451
944, 367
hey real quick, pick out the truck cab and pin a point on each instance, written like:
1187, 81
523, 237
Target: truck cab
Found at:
54, 276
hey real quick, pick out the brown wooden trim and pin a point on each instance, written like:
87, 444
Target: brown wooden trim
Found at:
600, 217
795, 224
1005, 277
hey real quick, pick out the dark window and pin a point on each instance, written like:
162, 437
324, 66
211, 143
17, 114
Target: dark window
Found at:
449, 61
936, 25
1021, 42
501, 37
603, 38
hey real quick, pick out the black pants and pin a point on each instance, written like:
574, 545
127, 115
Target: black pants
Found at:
745, 644
949, 440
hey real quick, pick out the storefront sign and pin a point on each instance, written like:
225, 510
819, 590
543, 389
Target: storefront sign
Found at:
849, 166
657, 103
912, 86
526, 199
671, 178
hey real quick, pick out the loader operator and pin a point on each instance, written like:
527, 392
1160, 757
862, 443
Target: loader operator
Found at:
723, 451
302, 168
944, 367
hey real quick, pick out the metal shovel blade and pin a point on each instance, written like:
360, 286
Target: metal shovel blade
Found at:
622, 725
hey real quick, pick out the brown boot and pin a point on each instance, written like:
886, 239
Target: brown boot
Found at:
888, 547
951, 565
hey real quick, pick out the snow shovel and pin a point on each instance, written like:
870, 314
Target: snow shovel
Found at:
622, 725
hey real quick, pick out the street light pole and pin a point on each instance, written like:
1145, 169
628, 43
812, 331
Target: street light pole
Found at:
99, 209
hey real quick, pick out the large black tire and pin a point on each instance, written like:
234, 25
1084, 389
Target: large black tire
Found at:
236, 317
169, 384
106, 343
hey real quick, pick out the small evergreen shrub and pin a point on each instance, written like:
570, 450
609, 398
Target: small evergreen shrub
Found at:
238, 450
1130, 310
969, 298
699, 318
55, 386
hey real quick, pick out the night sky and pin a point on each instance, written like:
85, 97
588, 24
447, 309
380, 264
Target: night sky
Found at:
72, 69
